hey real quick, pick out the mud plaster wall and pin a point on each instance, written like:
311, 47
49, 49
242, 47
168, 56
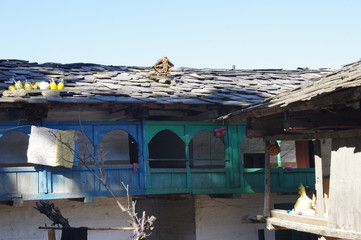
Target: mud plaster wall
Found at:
215, 218
22, 223
222, 218
257, 145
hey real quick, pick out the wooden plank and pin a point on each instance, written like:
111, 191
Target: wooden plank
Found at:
94, 228
315, 135
8, 183
27, 183
345, 197
275, 223
313, 220
304, 121
333, 98
267, 184
320, 202
42, 181
51, 234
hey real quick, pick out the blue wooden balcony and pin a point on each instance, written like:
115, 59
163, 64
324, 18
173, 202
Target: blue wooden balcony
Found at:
32, 183
21, 180
196, 168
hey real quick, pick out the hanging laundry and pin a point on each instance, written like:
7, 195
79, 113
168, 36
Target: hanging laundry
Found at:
135, 167
70, 233
220, 132
51, 147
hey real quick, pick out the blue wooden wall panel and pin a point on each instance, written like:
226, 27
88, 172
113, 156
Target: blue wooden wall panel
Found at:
116, 177
62, 182
44, 182
27, 182
8, 183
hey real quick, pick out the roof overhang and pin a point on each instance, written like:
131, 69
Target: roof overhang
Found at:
320, 116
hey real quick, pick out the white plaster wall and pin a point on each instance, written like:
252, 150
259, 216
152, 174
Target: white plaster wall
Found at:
252, 145
175, 218
21, 223
215, 218
257, 145
221, 218
288, 151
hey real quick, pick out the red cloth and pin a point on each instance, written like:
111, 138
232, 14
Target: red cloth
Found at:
135, 167
220, 132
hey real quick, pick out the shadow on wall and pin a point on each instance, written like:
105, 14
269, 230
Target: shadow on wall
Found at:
175, 218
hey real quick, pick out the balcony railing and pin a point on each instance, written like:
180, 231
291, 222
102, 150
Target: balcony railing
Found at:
282, 180
32, 183
208, 180
201, 179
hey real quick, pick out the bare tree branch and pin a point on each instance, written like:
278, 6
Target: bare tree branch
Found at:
140, 225
52, 212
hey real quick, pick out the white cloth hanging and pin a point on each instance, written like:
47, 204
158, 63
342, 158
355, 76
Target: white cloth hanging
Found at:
51, 147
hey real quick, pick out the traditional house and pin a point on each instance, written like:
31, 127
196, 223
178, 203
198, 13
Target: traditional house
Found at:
155, 132
326, 110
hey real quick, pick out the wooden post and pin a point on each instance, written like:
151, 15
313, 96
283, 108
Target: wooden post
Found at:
51, 234
267, 183
320, 203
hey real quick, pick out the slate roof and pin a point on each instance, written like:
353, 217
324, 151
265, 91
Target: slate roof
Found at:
93, 83
348, 76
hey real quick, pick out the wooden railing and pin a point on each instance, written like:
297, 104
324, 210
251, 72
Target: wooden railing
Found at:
32, 183
220, 180
282, 180
188, 179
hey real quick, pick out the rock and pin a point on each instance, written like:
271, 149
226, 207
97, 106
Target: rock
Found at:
14, 93
20, 77
105, 75
23, 72
122, 77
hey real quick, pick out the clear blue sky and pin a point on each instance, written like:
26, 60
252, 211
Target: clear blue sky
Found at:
215, 34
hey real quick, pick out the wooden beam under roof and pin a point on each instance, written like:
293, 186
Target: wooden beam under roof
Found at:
316, 135
308, 122
342, 97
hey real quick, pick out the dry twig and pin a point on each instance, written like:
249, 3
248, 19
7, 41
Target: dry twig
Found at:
140, 225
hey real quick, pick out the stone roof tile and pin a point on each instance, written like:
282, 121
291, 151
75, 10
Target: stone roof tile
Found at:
87, 82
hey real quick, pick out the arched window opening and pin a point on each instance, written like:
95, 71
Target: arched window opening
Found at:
13, 149
206, 150
118, 147
166, 145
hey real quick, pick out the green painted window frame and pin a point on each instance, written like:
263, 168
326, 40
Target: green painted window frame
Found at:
186, 131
